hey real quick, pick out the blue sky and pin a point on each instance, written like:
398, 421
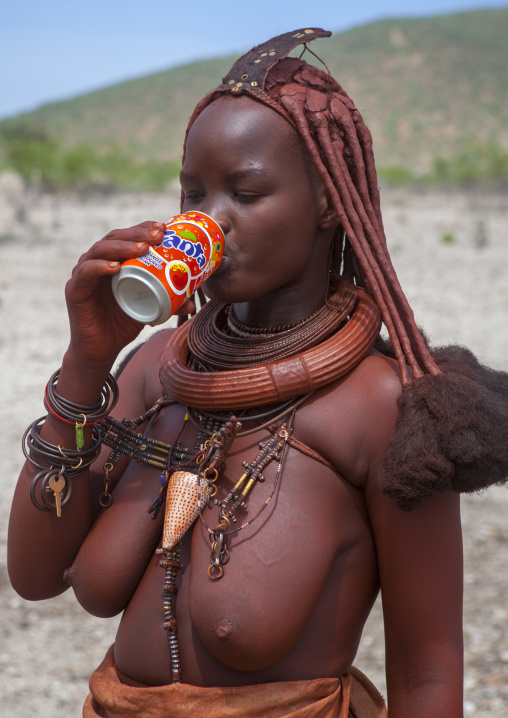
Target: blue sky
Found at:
57, 49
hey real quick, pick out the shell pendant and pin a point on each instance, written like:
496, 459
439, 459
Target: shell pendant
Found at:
187, 496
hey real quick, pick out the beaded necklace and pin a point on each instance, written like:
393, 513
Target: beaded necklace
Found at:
273, 449
188, 493
122, 438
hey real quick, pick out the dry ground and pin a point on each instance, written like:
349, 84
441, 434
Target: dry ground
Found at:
451, 253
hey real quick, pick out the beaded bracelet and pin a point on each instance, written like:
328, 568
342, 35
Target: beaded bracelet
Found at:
76, 414
64, 465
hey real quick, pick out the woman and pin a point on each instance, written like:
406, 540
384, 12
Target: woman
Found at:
264, 596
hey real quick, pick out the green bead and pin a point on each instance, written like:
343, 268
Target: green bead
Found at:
80, 438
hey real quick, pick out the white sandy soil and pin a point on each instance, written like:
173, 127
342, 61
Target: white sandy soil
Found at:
459, 292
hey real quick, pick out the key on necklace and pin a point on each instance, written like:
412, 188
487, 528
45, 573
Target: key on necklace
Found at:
57, 485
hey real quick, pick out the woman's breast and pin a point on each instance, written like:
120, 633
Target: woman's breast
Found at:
279, 566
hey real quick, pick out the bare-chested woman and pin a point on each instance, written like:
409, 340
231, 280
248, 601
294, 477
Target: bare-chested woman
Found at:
285, 619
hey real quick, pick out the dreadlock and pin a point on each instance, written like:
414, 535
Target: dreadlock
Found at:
453, 413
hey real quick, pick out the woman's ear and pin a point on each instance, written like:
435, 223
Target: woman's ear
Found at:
329, 218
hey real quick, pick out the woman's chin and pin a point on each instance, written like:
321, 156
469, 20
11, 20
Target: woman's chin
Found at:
222, 292
233, 285
220, 288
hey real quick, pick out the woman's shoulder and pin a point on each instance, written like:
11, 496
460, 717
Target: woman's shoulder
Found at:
351, 421
368, 393
375, 379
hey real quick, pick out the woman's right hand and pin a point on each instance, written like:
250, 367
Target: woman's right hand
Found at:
99, 327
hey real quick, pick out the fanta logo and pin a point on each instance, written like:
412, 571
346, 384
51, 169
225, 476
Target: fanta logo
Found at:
192, 249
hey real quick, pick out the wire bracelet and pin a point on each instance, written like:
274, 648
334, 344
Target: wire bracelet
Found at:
77, 414
51, 488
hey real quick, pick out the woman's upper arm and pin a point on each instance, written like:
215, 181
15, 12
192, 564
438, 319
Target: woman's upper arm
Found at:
420, 570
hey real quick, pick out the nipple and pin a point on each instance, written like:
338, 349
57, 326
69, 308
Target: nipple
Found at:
225, 630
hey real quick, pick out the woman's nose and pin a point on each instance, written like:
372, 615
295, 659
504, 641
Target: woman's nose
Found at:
218, 213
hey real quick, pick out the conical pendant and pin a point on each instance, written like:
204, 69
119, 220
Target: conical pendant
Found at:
187, 495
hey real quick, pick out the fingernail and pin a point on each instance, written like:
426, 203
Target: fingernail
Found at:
113, 264
154, 233
139, 245
157, 224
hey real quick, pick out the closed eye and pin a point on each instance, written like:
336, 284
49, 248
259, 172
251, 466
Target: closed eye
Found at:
192, 196
247, 197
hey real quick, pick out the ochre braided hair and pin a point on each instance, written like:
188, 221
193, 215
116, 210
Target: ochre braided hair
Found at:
452, 422
340, 146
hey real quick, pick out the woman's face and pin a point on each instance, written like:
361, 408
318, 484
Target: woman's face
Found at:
245, 167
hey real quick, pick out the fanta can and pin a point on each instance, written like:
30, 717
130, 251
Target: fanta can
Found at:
152, 287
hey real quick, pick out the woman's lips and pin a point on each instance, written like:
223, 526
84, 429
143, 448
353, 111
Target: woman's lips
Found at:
224, 262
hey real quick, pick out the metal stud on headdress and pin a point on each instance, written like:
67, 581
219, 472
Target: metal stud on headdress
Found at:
249, 72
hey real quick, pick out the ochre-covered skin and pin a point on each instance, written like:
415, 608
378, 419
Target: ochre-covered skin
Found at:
302, 578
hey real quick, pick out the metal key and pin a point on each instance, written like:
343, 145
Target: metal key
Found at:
57, 485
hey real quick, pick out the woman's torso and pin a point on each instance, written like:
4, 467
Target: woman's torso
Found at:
300, 581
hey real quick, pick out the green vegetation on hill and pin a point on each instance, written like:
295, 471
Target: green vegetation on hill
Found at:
429, 88
42, 160
432, 90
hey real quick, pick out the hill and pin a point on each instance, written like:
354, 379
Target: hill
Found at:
427, 87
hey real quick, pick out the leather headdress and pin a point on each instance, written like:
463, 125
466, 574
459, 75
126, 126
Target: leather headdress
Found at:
340, 146
248, 74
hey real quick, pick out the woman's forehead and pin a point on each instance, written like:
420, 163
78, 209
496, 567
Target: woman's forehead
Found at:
235, 117
238, 133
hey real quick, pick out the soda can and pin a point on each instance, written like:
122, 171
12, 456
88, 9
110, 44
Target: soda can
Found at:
152, 287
